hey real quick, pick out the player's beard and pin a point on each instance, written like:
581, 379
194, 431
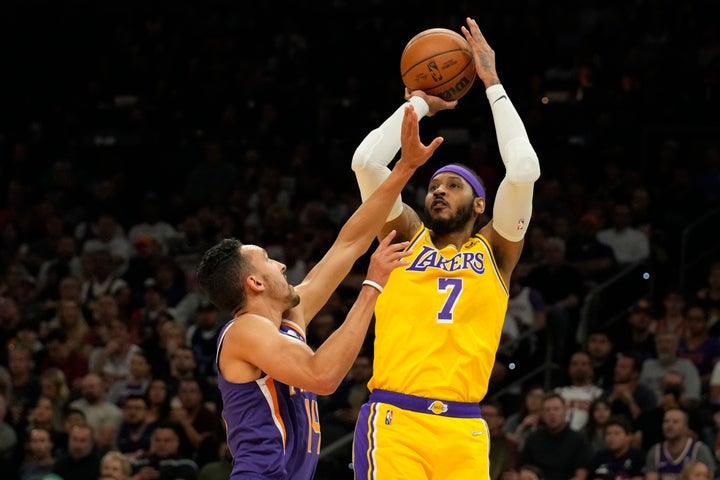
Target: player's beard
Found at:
285, 291
456, 223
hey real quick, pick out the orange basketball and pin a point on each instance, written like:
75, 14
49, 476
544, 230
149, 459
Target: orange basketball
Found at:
439, 62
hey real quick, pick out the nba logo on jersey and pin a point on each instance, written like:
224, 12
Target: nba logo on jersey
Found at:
388, 417
521, 223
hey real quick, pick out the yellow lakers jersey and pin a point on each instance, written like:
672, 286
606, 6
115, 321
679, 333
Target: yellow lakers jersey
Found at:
438, 321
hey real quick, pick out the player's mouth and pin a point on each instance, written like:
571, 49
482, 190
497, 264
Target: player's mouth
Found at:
439, 204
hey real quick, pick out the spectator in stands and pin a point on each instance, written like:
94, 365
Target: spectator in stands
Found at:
698, 346
158, 400
81, 460
521, 424
654, 369
94, 404
196, 421
112, 360
54, 387
61, 356
629, 244
559, 451
593, 259
594, 430
133, 438
696, 470
648, 425
678, 447
65, 262
141, 265
218, 469
182, 366
170, 281
24, 382
673, 314
10, 319
71, 418
41, 416
100, 277
202, 338
153, 223
115, 466
627, 395
526, 313
709, 296
106, 233
618, 458
138, 381
105, 310
638, 337
69, 288
321, 327
504, 452
164, 459
580, 392
714, 386
562, 289
71, 319
39, 459
599, 346
8, 438
533, 253
149, 314
343, 406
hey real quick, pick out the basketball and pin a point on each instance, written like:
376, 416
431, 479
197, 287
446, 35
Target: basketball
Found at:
439, 62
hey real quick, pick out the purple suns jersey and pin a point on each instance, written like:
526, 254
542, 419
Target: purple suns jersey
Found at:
273, 430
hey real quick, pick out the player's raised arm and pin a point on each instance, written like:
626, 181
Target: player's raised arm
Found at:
513, 201
359, 231
376, 151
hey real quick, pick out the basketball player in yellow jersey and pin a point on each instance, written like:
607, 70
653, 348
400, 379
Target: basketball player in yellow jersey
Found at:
439, 319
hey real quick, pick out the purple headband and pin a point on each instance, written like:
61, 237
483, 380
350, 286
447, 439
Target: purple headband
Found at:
464, 173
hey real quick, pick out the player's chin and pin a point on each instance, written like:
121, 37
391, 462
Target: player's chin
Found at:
440, 212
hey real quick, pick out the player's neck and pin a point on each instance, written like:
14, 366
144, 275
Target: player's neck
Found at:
455, 239
263, 309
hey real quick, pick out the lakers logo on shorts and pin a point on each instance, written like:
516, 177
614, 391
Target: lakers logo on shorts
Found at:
438, 408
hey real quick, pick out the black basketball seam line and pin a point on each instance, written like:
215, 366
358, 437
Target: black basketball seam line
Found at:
472, 81
472, 60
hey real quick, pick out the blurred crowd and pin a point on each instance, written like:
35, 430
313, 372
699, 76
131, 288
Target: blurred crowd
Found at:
134, 136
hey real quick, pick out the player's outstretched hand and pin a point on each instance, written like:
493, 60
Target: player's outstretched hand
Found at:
483, 55
387, 257
435, 104
413, 153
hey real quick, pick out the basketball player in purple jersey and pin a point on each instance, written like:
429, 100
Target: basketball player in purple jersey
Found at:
268, 376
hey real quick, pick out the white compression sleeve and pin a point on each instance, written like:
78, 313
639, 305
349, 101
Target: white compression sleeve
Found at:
372, 157
513, 202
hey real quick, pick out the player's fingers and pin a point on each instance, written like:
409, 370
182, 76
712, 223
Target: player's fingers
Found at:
401, 253
435, 144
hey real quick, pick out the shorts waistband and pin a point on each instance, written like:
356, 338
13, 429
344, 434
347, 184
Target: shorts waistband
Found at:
427, 405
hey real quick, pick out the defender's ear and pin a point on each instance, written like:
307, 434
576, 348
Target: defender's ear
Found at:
254, 283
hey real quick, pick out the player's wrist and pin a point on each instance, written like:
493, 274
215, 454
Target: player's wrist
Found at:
373, 284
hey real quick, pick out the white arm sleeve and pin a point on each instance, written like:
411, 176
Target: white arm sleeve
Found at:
372, 157
513, 202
